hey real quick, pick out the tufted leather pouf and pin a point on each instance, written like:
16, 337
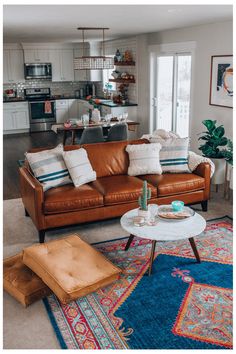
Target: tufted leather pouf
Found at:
20, 282
70, 267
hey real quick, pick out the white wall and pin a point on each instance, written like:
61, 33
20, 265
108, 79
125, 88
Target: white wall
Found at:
211, 39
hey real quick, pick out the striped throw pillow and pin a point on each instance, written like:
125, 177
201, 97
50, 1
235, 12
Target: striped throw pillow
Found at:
144, 159
49, 167
79, 166
173, 154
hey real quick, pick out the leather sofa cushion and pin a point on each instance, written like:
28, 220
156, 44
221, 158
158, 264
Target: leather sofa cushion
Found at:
110, 158
121, 189
70, 267
20, 282
154, 180
69, 198
178, 183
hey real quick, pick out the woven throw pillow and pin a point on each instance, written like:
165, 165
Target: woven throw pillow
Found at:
144, 159
49, 167
79, 167
173, 154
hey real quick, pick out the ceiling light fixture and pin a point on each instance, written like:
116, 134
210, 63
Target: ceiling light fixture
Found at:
93, 62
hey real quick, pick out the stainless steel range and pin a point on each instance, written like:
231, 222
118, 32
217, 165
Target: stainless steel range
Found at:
42, 109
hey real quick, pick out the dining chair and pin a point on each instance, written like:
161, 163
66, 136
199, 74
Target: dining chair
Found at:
92, 135
118, 132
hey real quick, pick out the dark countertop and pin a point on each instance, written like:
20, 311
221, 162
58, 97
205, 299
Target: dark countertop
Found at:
109, 103
17, 99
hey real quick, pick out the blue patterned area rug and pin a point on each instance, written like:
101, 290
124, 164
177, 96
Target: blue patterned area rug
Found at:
183, 305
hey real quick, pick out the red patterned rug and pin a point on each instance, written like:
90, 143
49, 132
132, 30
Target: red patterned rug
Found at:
182, 305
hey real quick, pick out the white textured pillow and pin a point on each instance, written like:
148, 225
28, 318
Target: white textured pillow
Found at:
49, 167
79, 167
144, 159
173, 154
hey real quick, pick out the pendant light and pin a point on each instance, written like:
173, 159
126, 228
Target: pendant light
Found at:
93, 62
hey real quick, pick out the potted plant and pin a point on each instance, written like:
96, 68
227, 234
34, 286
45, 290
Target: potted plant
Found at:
214, 139
142, 201
228, 155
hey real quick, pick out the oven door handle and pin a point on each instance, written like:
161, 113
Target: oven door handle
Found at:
41, 101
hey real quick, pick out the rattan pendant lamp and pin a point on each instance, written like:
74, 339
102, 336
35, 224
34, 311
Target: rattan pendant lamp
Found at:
93, 62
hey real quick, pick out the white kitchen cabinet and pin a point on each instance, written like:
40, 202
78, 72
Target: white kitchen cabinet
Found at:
62, 112
72, 109
62, 115
36, 55
15, 117
66, 109
67, 64
62, 64
116, 111
83, 107
21, 119
13, 66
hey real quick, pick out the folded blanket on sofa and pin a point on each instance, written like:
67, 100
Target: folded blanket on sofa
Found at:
193, 159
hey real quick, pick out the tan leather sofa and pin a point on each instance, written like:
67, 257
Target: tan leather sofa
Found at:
112, 194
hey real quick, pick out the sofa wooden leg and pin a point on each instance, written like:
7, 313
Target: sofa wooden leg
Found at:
26, 213
204, 205
41, 236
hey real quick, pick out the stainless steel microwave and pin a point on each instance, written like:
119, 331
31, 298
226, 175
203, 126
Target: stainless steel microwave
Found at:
38, 71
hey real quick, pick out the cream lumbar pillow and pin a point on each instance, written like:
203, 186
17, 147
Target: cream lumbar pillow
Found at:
144, 159
79, 167
173, 154
49, 168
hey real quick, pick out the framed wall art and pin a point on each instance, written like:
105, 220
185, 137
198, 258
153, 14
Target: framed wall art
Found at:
221, 84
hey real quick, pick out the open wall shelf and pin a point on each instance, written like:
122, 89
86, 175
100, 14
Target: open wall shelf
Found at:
124, 63
123, 81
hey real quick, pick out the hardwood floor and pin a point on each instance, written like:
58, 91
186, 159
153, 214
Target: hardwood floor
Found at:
14, 147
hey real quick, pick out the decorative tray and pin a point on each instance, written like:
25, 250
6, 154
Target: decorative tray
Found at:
165, 212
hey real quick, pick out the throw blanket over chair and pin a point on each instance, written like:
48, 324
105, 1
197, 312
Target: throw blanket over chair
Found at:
118, 132
92, 135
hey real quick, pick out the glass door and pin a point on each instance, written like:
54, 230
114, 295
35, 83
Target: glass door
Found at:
170, 92
183, 88
164, 92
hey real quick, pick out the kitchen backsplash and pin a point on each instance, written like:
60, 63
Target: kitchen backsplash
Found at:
57, 88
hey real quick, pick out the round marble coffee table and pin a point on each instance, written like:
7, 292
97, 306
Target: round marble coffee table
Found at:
164, 231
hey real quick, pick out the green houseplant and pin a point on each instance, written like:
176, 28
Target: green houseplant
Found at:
214, 140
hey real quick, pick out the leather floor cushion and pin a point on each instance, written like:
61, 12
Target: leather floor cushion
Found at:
70, 267
177, 183
121, 189
20, 282
69, 198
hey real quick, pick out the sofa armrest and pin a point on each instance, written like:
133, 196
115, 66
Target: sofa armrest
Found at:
32, 196
204, 170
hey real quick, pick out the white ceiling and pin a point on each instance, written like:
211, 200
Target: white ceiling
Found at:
58, 23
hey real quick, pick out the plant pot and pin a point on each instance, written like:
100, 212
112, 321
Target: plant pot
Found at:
229, 176
219, 175
144, 213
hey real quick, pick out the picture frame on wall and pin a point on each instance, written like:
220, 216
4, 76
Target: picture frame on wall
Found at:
221, 82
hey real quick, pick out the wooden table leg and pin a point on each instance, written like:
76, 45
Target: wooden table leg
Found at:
129, 242
152, 256
73, 137
194, 248
64, 137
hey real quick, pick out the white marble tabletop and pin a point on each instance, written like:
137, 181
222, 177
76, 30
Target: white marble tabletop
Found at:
164, 230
